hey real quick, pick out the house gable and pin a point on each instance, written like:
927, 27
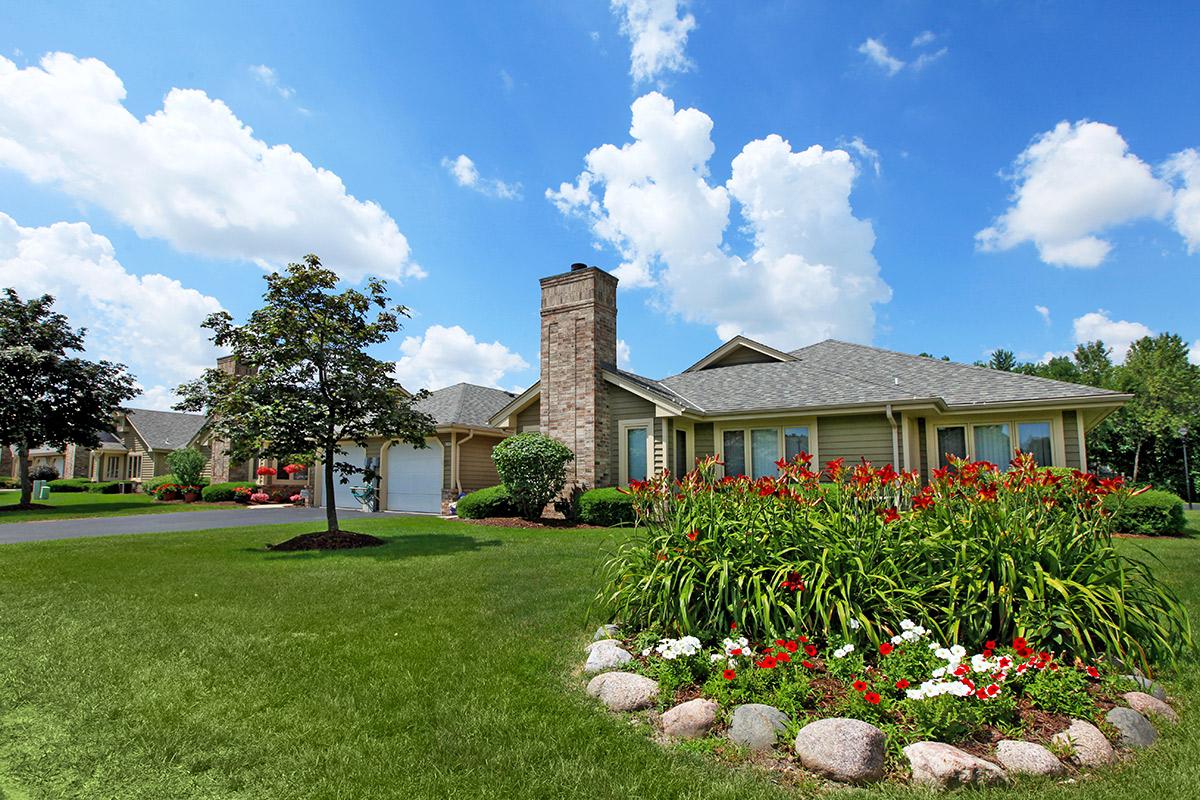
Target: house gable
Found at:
740, 350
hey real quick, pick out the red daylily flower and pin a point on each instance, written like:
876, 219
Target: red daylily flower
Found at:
889, 515
692, 536
793, 583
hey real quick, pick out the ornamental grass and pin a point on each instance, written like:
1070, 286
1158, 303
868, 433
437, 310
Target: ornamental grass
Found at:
975, 555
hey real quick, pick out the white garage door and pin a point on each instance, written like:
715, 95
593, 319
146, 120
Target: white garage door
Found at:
341, 491
414, 478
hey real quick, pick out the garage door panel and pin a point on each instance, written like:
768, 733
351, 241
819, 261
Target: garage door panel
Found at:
414, 478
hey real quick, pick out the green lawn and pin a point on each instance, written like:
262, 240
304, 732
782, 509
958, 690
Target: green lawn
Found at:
69, 505
198, 665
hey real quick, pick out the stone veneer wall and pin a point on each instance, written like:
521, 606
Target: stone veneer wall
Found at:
579, 337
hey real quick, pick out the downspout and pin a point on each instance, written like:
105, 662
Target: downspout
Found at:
455, 444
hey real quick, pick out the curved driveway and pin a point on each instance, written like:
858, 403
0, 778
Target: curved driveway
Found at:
160, 523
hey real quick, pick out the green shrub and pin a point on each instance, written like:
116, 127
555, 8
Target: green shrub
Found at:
223, 492
606, 507
110, 487
69, 485
186, 464
1152, 513
490, 502
43, 473
977, 555
533, 468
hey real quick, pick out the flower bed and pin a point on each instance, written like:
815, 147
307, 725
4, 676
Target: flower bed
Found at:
1006, 709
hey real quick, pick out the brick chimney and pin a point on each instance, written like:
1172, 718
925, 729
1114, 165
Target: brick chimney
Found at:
579, 336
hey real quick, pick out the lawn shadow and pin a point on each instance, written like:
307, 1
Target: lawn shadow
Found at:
75, 509
395, 549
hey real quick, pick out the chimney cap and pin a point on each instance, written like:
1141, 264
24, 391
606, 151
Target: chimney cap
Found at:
578, 266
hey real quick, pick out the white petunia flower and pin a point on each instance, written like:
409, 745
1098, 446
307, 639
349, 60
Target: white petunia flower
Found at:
907, 624
854, 624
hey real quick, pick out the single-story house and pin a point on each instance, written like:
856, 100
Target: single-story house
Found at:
456, 459
751, 404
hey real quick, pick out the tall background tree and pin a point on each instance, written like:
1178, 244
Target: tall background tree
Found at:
306, 382
49, 397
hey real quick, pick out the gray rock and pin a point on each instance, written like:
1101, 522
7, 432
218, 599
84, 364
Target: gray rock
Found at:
1150, 706
1086, 744
602, 643
846, 750
1134, 729
606, 632
756, 726
690, 720
1027, 758
941, 766
608, 657
1148, 686
623, 691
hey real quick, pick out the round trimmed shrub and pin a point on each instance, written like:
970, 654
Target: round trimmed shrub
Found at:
1152, 513
223, 492
43, 473
606, 507
533, 468
493, 501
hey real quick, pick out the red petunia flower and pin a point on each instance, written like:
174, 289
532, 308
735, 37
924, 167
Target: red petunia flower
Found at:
730, 674
784, 656
886, 648
767, 662
737, 651
1019, 643
779, 642
872, 698
810, 650
992, 690
804, 638
791, 646
807, 664
1093, 672
1024, 652
733, 626
902, 684
991, 645
860, 686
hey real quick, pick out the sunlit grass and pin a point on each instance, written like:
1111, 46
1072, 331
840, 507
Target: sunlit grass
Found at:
72, 505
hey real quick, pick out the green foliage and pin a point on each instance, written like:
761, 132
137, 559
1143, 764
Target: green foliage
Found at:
305, 381
1003, 360
223, 492
151, 484
606, 507
1062, 691
45, 472
978, 555
533, 468
67, 484
490, 502
48, 397
186, 464
95, 487
1151, 513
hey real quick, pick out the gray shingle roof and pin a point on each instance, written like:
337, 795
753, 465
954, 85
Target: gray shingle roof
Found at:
464, 404
165, 430
839, 373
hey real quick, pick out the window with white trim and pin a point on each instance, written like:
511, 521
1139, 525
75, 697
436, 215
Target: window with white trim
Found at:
636, 441
133, 468
994, 442
759, 448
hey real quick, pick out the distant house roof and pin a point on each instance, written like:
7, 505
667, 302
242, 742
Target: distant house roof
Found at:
165, 430
464, 404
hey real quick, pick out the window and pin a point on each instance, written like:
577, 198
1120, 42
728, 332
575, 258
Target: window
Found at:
682, 466
951, 441
761, 448
993, 443
1034, 438
764, 452
636, 453
795, 442
733, 447
112, 469
133, 469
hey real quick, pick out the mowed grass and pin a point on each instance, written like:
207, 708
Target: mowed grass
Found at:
74, 505
197, 665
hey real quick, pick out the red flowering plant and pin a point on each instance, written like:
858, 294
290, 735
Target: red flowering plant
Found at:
167, 491
264, 472
241, 494
980, 552
293, 469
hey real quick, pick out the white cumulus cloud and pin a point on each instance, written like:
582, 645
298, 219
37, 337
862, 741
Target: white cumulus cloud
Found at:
1194, 352
658, 32
1117, 334
810, 273
623, 360
1071, 184
1185, 168
191, 173
150, 322
466, 174
444, 356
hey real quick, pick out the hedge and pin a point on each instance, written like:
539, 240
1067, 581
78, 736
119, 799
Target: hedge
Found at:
223, 492
95, 487
493, 501
1152, 513
606, 507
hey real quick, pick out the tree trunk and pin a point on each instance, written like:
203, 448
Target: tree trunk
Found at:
1137, 454
330, 508
23, 474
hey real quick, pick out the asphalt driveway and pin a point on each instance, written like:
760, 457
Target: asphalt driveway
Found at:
161, 523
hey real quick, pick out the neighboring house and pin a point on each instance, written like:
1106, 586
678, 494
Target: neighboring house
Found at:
457, 459
750, 404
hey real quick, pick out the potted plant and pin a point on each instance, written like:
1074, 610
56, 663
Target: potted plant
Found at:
260, 497
263, 473
241, 494
295, 469
167, 492
191, 494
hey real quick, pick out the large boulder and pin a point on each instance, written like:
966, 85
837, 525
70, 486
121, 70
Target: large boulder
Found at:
1134, 730
1150, 706
756, 726
941, 766
1027, 758
605, 654
623, 691
846, 750
606, 632
1086, 744
690, 720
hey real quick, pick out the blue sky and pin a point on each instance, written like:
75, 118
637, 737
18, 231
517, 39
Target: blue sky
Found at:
977, 161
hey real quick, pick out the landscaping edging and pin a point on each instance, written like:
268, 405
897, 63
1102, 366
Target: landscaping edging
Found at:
851, 751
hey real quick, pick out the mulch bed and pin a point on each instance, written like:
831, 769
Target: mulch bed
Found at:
325, 540
29, 507
517, 522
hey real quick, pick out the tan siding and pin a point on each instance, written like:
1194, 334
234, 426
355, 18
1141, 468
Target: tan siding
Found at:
853, 437
623, 405
1071, 440
660, 445
475, 467
530, 419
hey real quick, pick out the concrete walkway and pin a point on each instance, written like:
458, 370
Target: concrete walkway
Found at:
162, 523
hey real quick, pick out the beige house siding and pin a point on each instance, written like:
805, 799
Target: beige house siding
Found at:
475, 467
866, 436
530, 419
625, 405
1071, 440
